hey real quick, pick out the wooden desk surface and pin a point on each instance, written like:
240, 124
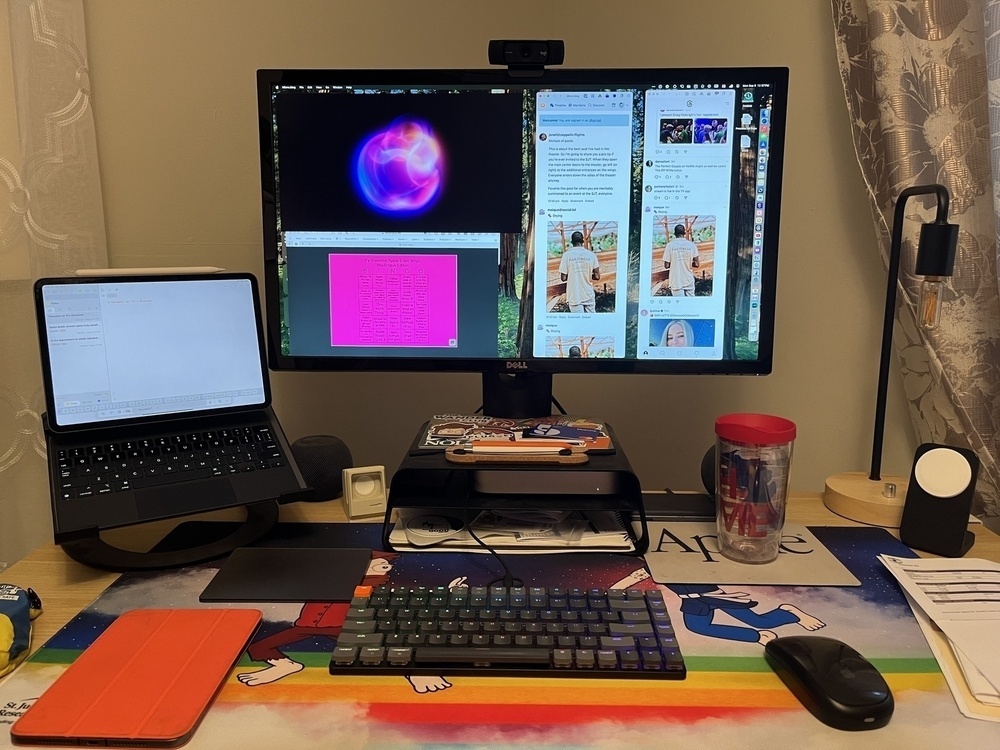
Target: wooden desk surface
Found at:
66, 586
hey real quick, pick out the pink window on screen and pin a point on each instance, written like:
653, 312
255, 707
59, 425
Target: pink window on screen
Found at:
394, 300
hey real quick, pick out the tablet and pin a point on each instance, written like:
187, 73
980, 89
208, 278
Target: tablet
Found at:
146, 681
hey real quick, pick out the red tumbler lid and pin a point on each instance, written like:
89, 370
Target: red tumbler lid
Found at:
759, 429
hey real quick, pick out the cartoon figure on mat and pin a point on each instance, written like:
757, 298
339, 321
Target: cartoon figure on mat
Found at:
324, 619
700, 602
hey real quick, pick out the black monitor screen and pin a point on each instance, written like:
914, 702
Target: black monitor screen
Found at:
576, 221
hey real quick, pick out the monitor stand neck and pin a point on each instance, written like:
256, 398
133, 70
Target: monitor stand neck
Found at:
521, 395
94, 551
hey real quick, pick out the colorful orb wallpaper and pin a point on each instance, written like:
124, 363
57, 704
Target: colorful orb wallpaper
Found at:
400, 170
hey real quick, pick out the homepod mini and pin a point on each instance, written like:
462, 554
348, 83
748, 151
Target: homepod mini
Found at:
322, 460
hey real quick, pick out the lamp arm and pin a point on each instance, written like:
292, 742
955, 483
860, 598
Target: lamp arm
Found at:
890, 310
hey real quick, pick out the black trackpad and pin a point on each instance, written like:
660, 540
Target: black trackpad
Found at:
289, 574
184, 498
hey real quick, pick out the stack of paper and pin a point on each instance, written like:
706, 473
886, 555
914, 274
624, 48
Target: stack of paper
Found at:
593, 531
957, 603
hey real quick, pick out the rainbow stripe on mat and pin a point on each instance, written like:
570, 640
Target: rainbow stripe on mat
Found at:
715, 686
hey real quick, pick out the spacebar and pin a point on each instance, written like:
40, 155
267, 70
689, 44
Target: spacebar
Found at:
178, 476
480, 655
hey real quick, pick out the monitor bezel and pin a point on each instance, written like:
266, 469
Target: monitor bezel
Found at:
775, 76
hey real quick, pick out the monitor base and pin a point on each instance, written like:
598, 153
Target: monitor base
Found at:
517, 396
97, 553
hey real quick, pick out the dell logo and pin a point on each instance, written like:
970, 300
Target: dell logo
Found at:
517, 365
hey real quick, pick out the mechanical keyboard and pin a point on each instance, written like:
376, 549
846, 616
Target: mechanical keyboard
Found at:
517, 631
119, 467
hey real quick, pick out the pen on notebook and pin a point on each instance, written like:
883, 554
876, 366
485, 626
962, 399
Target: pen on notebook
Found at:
526, 440
539, 442
507, 446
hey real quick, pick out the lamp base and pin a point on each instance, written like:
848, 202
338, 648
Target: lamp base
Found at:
853, 495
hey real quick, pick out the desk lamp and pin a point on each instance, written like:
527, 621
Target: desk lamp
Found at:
875, 498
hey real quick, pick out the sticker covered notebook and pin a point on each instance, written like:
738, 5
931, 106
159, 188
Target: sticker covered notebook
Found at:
457, 430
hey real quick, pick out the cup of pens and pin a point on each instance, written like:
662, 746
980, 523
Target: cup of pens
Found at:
753, 453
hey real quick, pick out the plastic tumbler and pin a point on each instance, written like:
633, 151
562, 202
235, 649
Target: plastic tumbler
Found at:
753, 453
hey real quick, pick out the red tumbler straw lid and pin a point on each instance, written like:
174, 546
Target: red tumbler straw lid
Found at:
755, 429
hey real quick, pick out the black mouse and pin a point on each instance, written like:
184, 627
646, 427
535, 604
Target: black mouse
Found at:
837, 684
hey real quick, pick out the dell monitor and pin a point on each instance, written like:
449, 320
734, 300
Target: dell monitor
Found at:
520, 226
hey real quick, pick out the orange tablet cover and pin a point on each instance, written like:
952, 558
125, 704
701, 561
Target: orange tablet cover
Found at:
147, 680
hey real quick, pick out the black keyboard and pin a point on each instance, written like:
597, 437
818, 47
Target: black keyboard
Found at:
501, 631
129, 465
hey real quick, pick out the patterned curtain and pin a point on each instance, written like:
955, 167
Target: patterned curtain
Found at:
51, 223
916, 75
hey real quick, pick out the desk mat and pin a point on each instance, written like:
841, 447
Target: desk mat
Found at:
282, 695
688, 551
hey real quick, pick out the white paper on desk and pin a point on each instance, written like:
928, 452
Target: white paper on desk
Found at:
979, 686
600, 531
949, 659
962, 597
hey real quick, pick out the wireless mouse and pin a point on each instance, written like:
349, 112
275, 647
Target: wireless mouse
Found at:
837, 684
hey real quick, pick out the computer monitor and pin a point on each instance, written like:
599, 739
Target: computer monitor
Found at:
572, 221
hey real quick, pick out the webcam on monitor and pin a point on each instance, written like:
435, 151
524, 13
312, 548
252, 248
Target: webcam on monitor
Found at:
526, 56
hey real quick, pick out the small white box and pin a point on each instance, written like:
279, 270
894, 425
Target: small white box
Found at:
365, 491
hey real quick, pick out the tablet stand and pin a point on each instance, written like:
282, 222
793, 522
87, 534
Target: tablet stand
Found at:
94, 551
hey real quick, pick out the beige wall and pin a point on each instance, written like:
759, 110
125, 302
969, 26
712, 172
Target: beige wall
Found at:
174, 101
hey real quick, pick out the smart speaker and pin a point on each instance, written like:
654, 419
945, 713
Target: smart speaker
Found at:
939, 499
322, 460
708, 471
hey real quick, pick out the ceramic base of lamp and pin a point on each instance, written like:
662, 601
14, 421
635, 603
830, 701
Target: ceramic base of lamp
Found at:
853, 495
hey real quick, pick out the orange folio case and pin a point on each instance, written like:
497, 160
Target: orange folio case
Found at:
146, 681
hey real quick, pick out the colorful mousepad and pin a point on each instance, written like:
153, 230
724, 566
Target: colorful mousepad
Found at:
688, 552
282, 695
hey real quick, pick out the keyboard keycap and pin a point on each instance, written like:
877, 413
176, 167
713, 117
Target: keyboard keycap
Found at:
360, 639
343, 655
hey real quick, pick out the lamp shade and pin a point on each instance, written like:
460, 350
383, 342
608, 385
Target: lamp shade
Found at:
936, 251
